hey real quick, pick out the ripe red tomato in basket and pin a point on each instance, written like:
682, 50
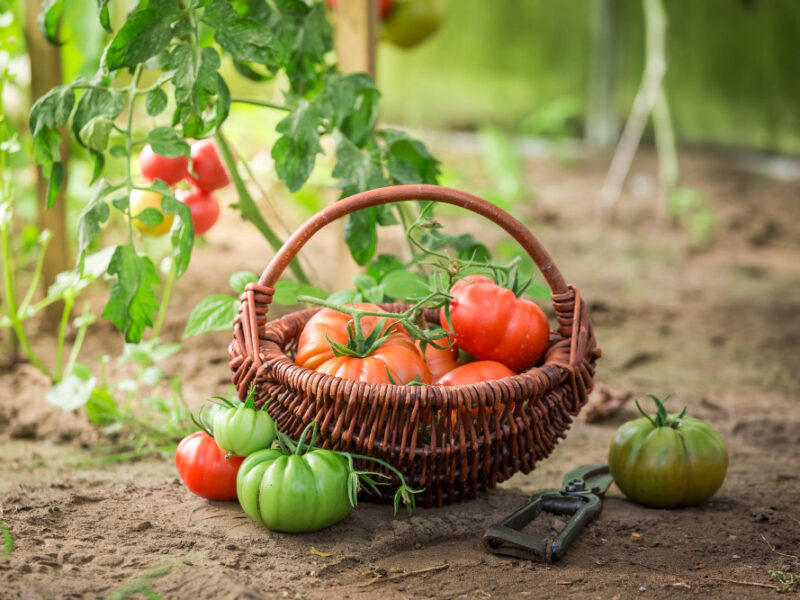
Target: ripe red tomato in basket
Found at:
394, 360
440, 360
204, 207
491, 323
475, 372
211, 173
204, 469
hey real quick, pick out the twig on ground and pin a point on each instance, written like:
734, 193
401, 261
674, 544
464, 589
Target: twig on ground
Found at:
381, 577
794, 557
750, 583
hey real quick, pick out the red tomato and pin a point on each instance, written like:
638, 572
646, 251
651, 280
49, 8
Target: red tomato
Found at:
211, 173
204, 469
169, 170
384, 9
204, 207
475, 372
397, 353
440, 361
491, 323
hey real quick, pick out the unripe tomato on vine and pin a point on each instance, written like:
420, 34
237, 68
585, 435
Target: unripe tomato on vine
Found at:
411, 22
145, 206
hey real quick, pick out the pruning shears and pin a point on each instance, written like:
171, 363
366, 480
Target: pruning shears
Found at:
581, 498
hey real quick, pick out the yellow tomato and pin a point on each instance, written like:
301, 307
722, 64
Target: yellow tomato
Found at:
141, 200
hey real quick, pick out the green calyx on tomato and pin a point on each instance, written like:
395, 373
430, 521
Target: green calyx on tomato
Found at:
241, 430
298, 487
667, 460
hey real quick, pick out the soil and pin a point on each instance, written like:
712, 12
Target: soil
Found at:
720, 326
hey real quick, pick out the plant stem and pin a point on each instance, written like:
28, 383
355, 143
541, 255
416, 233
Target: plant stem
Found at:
37, 273
249, 208
11, 309
162, 309
261, 103
79, 337
69, 301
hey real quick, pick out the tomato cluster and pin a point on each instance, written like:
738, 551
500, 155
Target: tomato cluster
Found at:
503, 333
209, 175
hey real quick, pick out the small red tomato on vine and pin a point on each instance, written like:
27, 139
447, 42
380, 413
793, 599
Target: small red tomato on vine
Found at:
204, 207
491, 323
170, 170
206, 162
204, 469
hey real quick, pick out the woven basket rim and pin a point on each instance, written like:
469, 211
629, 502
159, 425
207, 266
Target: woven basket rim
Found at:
551, 370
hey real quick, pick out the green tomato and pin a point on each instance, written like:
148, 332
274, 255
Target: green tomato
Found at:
243, 430
667, 460
293, 493
411, 22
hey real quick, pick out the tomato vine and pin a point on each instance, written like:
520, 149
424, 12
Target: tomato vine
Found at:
171, 40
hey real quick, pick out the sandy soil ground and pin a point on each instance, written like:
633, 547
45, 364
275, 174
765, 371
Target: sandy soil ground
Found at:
721, 328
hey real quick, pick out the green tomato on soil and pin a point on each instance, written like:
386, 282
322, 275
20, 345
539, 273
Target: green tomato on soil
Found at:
242, 430
667, 460
294, 493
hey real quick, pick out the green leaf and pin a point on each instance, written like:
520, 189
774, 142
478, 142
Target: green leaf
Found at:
156, 102
72, 392
343, 297
244, 38
101, 407
302, 43
95, 103
350, 103
287, 292
102, 13
213, 313
168, 142
359, 168
296, 150
202, 99
56, 179
95, 133
385, 263
150, 217
132, 302
145, 33
94, 214
361, 235
182, 231
405, 284
51, 110
240, 279
49, 16
538, 290
408, 160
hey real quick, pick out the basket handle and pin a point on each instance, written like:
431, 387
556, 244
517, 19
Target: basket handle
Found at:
401, 193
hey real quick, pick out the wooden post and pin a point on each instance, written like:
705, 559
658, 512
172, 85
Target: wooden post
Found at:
45, 65
356, 38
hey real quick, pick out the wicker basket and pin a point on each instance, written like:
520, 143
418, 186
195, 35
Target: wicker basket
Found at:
451, 458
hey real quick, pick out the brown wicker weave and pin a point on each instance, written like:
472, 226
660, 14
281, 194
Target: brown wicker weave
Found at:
407, 426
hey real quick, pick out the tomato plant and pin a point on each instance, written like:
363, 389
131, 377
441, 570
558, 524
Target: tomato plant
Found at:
667, 460
148, 217
169, 42
364, 348
302, 488
204, 468
169, 170
241, 430
204, 208
492, 323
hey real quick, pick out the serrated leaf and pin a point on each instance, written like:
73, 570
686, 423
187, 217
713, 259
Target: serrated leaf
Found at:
168, 142
182, 231
102, 13
95, 103
132, 302
408, 160
296, 150
51, 110
55, 180
155, 102
49, 16
361, 235
202, 99
405, 284
246, 39
213, 313
150, 217
240, 279
144, 34
95, 133
71, 393
94, 214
